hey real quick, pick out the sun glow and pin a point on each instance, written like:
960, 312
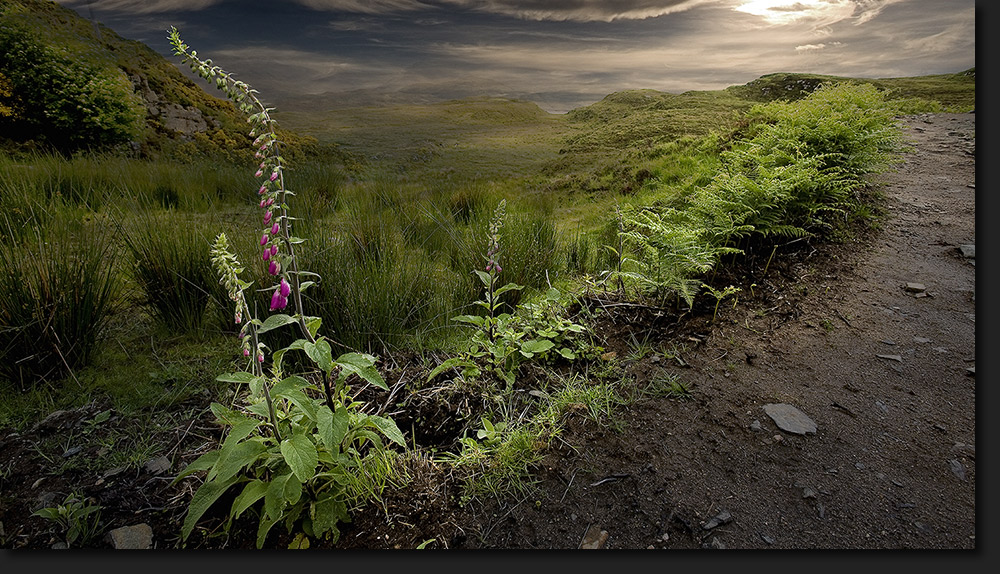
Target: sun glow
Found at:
820, 12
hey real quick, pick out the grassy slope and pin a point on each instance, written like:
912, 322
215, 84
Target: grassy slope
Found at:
583, 161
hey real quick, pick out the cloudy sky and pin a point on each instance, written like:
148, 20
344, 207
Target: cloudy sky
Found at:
559, 53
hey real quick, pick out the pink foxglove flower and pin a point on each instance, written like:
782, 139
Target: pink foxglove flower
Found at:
262, 189
263, 239
246, 352
274, 175
266, 254
276, 299
273, 268
284, 287
275, 228
274, 249
267, 217
259, 173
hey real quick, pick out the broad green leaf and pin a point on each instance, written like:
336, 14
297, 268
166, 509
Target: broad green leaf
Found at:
293, 382
484, 277
240, 377
292, 492
508, 287
326, 514
203, 498
535, 346
313, 323
389, 429
300, 454
304, 403
226, 414
450, 364
266, 522
332, 426
233, 459
567, 353
203, 462
274, 498
363, 366
275, 321
252, 492
259, 409
240, 431
472, 319
320, 353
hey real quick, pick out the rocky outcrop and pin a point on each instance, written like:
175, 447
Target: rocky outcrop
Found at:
183, 120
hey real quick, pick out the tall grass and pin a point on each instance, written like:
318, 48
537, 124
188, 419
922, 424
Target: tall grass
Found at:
169, 263
56, 296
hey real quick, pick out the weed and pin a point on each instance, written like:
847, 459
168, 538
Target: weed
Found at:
76, 519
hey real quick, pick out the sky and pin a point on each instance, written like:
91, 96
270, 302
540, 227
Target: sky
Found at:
561, 54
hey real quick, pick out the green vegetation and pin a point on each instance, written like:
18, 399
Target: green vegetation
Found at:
463, 232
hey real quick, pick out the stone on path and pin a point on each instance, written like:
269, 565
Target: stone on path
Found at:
137, 537
594, 538
968, 251
790, 419
915, 287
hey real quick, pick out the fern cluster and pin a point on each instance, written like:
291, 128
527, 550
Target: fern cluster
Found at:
795, 172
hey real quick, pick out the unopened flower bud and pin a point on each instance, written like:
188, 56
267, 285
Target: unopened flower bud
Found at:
266, 254
263, 239
267, 218
275, 228
274, 249
274, 175
258, 173
246, 352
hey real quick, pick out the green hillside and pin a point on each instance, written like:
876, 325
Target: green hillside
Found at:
69, 84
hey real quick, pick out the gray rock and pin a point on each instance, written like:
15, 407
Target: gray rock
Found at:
897, 358
136, 537
968, 251
957, 469
718, 520
158, 465
790, 419
915, 288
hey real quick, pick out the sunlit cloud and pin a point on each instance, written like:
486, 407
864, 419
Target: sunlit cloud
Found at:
580, 10
816, 13
365, 6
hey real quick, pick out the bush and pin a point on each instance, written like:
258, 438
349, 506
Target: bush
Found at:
64, 101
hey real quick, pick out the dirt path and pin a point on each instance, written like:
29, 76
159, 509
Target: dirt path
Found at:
886, 374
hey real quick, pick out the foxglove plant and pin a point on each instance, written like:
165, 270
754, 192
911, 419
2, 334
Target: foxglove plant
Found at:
296, 445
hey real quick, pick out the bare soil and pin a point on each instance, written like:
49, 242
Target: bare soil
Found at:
886, 374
